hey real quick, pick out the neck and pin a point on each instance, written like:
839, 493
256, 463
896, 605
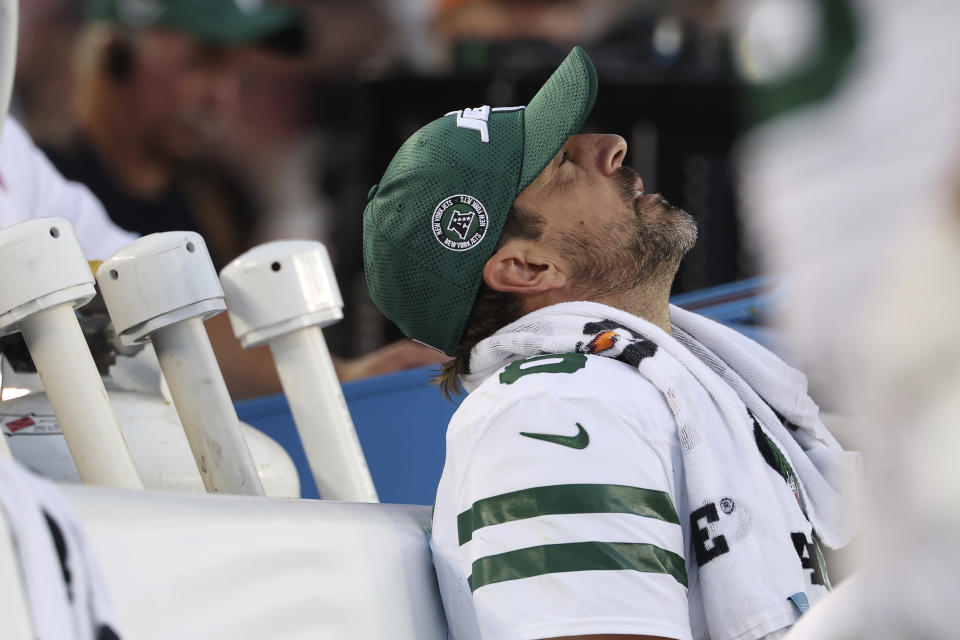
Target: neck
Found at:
120, 145
650, 301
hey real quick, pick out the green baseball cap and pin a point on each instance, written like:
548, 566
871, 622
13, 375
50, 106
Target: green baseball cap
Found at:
218, 22
435, 218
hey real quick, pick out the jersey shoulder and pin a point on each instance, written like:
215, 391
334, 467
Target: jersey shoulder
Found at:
566, 374
528, 385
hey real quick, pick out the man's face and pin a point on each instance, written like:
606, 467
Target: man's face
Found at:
614, 236
181, 89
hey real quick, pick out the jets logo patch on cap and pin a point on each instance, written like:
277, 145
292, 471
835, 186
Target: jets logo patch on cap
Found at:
459, 222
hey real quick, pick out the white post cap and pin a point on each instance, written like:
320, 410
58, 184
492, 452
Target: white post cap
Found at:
279, 287
158, 280
43, 266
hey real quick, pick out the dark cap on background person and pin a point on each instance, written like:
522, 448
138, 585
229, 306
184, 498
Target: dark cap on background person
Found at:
214, 22
436, 216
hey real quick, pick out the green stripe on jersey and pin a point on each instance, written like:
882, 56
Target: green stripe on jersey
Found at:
576, 556
565, 499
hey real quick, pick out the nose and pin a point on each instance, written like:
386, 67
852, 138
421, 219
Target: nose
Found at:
607, 150
612, 150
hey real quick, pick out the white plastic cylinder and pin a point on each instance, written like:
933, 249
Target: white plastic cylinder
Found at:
323, 420
45, 277
158, 280
206, 412
282, 293
160, 288
76, 392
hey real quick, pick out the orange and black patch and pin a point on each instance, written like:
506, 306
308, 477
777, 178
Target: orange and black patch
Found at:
601, 342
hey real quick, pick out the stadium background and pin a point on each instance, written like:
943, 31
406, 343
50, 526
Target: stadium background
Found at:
307, 137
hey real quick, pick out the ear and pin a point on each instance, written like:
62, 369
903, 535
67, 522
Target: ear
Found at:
522, 267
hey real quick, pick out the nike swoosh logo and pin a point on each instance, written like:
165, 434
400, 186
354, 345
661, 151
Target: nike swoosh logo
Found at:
579, 441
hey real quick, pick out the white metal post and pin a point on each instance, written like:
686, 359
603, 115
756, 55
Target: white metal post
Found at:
282, 293
160, 287
205, 409
320, 412
45, 277
78, 398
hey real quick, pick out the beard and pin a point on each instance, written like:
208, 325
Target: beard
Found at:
644, 248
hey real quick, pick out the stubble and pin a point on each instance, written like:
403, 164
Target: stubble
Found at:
643, 249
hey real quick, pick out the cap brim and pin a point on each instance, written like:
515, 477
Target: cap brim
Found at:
273, 26
558, 111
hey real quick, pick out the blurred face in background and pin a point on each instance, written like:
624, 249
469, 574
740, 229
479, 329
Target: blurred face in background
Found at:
180, 91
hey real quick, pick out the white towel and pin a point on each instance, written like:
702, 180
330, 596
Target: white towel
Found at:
64, 589
705, 370
762, 380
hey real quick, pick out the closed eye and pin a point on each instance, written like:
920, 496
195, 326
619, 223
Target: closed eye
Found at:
563, 157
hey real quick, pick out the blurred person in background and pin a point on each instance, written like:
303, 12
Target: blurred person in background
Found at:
154, 82
851, 185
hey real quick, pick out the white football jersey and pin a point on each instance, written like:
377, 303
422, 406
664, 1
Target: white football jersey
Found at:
31, 187
562, 510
